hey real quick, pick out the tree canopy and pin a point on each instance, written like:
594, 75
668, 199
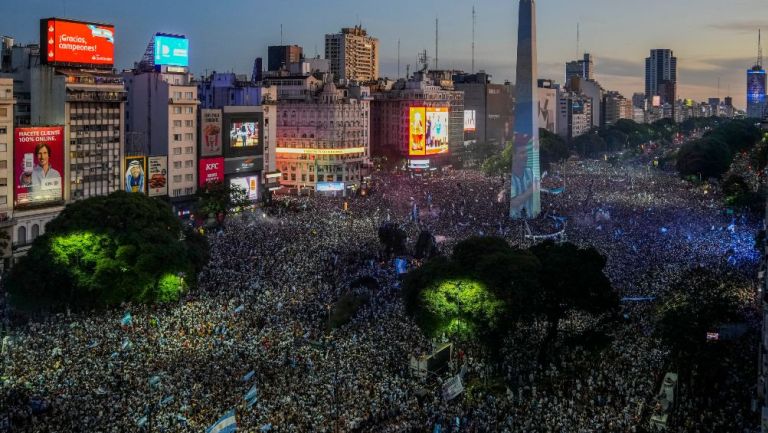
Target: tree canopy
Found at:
105, 250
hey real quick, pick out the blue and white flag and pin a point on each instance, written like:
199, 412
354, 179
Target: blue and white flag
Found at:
167, 400
126, 344
127, 320
225, 424
251, 396
248, 376
141, 421
266, 428
154, 381
181, 419
239, 309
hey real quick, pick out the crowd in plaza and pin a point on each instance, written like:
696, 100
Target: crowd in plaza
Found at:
258, 320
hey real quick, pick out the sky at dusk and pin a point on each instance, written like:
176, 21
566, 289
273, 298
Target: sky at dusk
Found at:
711, 38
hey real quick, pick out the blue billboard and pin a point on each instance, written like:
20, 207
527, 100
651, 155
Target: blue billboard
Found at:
171, 50
330, 186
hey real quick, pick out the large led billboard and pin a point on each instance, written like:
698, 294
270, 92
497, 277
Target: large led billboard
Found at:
250, 184
211, 170
437, 130
210, 127
470, 121
135, 177
417, 131
330, 186
38, 155
171, 50
244, 134
158, 176
65, 42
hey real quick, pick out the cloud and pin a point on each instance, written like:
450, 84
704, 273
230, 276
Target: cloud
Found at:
744, 26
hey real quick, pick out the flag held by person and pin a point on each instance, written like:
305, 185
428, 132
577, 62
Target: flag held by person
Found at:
248, 376
127, 320
225, 424
251, 396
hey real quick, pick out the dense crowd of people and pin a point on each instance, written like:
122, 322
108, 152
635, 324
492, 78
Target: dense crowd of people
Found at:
258, 319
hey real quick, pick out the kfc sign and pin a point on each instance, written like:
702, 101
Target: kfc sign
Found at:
211, 170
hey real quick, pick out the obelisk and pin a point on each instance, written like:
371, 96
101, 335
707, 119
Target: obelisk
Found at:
525, 200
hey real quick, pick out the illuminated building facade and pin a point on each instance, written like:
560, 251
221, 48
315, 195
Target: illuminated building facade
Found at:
353, 55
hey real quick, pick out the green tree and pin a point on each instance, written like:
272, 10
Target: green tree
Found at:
590, 145
220, 198
707, 157
552, 148
104, 250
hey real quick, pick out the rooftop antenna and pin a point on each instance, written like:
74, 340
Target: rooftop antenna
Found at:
759, 49
281, 34
407, 71
474, 18
437, 39
398, 58
578, 40
718, 88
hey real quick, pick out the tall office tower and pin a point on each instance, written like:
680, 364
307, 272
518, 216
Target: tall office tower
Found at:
661, 77
756, 86
353, 55
281, 56
525, 200
581, 68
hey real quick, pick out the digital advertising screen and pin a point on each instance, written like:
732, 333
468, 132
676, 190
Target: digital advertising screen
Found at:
656, 101
210, 132
330, 186
135, 175
171, 50
244, 134
417, 131
77, 43
437, 130
211, 170
38, 155
248, 183
158, 176
756, 83
470, 121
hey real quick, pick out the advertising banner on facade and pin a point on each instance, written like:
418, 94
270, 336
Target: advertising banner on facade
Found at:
171, 50
250, 184
38, 157
211, 170
77, 43
470, 120
158, 176
437, 130
210, 127
135, 174
330, 186
417, 131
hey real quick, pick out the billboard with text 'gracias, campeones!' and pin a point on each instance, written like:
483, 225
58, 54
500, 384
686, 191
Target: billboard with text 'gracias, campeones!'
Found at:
66, 42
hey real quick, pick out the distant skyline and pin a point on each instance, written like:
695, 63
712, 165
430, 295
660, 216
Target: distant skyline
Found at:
711, 39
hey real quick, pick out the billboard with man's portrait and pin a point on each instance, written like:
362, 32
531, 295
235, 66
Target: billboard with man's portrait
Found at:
135, 174
38, 159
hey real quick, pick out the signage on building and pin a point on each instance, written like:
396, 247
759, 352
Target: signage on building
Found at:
250, 184
38, 158
210, 127
242, 165
330, 186
66, 42
470, 121
171, 50
428, 131
346, 151
135, 174
158, 176
418, 164
211, 170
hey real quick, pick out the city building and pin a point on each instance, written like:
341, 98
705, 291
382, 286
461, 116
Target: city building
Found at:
17, 63
353, 55
574, 115
592, 90
489, 104
161, 122
615, 108
280, 56
756, 88
419, 121
548, 105
220, 89
323, 135
584, 68
7, 103
661, 79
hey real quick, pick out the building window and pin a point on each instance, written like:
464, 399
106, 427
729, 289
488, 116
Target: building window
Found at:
177, 151
176, 110
176, 137
188, 150
3, 112
3, 147
3, 181
189, 137
188, 163
35, 232
189, 95
177, 178
176, 164
177, 192
188, 123
190, 110
177, 123
189, 191
21, 235
188, 177
176, 95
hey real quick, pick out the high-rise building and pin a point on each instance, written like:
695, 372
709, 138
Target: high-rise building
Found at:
584, 68
661, 77
7, 102
353, 54
592, 90
756, 86
574, 115
616, 107
525, 199
639, 101
17, 63
281, 56
490, 105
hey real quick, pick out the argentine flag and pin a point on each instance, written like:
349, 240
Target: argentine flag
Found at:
225, 424
251, 397
127, 320
248, 376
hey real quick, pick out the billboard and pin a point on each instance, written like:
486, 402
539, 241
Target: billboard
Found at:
417, 131
77, 43
158, 176
330, 186
656, 101
210, 127
470, 122
171, 50
437, 130
38, 155
211, 170
756, 83
244, 134
135, 177
248, 183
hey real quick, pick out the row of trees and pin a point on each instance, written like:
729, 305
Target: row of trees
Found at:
486, 288
711, 155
